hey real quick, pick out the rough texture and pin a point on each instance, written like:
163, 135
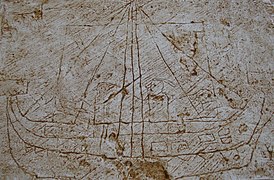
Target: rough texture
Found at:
139, 89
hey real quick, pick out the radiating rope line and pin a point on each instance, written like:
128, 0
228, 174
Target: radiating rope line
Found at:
98, 66
124, 77
165, 62
133, 83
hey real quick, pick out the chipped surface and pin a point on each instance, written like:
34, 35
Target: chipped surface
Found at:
136, 89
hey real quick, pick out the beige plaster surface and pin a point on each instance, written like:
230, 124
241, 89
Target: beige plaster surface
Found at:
140, 89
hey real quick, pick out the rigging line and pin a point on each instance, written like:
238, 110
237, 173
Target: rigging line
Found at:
169, 68
117, 10
122, 90
124, 78
121, 20
133, 84
140, 81
97, 69
90, 81
191, 58
125, 7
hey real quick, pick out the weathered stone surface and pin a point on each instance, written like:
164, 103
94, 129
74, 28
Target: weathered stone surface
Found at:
138, 89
